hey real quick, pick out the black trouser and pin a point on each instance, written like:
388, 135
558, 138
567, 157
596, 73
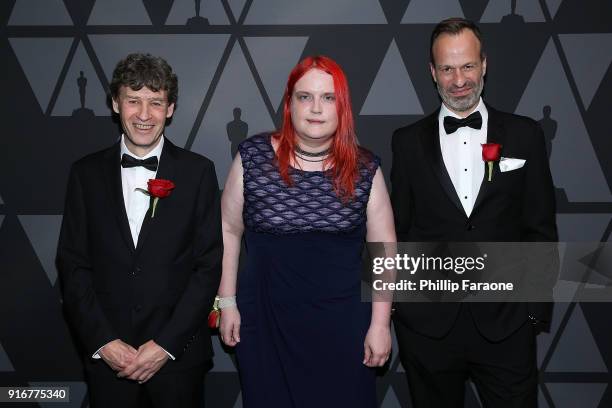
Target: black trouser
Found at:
505, 372
178, 389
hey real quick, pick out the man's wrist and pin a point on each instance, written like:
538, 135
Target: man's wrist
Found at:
97, 355
170, 356
534, 320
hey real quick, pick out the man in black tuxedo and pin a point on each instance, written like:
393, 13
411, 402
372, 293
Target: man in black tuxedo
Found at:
441, 193
137, 285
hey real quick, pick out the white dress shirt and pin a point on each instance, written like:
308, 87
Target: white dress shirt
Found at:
462, 155
136, 202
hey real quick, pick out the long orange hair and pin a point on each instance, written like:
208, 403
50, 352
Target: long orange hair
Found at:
344, 155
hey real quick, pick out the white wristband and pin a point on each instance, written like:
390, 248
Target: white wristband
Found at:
227, 302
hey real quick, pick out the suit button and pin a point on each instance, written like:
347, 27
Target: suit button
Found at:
137, 308
136, 271
470, 227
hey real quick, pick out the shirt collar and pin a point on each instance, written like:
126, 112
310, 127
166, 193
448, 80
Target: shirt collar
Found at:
155, 152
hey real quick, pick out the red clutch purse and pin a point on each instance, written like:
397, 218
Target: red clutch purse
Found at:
214, 317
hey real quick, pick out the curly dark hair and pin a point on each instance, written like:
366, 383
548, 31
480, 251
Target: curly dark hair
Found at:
138, 70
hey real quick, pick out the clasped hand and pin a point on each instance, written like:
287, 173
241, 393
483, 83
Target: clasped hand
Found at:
138, 365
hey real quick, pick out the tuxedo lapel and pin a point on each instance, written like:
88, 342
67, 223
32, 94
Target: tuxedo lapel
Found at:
112, 173
495, 134
166, 170
430, 139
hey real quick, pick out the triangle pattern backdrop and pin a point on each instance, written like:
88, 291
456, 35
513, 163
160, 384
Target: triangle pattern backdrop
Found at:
231, 85
315, 12
33, 53
587, 228
431, 11
39, 13
238, 403
576, 228
5, 362
471, 396
530, 11
391, 400
544, 340
572, 152
392, 92
395, 351
577, 350
542, 403
222, 363
236, 90
582, 227
69, 100
183, 10
43, 233
133, 12
553, 6
237, 6
589, 57
193, 57
583, 395
274, 57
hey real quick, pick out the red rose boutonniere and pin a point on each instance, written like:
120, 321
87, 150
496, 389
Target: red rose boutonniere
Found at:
491, 153
157, 188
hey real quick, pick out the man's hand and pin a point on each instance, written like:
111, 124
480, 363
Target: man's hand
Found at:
118, 354
148, 360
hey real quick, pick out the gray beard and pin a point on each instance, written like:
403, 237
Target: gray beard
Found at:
462, 104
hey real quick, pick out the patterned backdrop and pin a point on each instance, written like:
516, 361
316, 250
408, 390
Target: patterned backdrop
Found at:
548, 59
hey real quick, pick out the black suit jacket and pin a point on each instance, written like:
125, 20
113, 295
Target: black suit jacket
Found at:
163, 288
517, 205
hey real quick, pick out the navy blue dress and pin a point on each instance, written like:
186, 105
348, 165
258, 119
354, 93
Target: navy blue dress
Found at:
303, 322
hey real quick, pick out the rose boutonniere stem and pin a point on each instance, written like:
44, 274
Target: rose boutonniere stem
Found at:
491, 152
157, 188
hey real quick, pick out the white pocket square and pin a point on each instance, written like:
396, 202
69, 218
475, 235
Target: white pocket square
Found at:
509, 164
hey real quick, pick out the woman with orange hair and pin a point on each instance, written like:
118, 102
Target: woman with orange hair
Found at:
305, 197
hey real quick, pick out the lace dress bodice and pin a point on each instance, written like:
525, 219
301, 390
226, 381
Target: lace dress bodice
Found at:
309, 205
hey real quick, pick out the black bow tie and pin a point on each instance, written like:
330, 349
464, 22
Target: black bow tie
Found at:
452, 124
128, 161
